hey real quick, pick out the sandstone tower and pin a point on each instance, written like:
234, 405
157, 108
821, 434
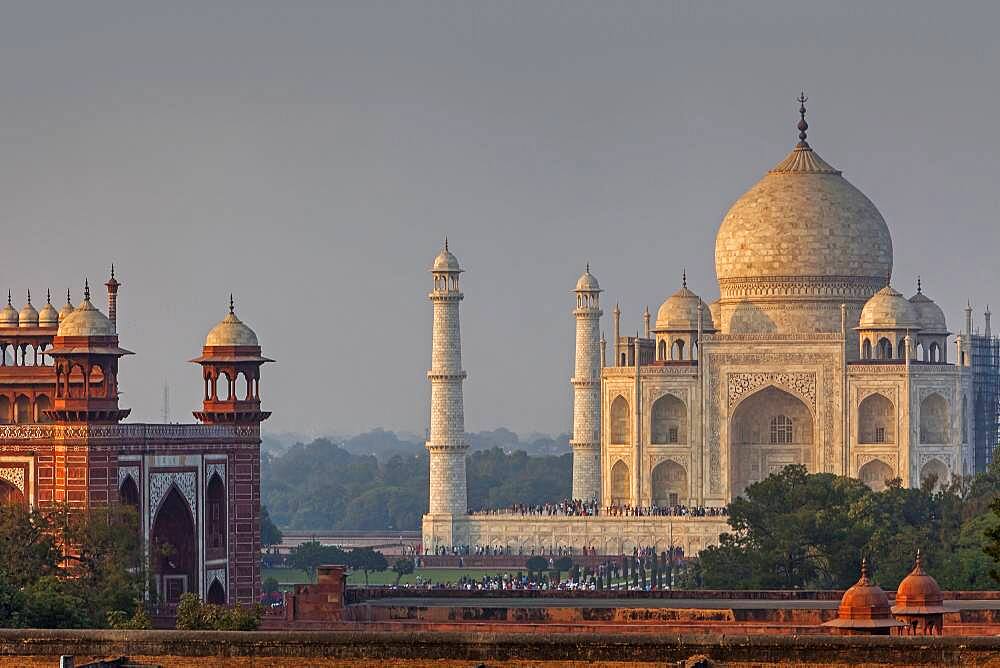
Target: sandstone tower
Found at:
447, 445
586, 384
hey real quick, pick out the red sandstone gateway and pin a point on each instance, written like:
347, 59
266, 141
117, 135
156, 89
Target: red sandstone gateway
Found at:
195, 486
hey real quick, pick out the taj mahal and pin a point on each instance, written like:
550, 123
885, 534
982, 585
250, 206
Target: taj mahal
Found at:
809, 356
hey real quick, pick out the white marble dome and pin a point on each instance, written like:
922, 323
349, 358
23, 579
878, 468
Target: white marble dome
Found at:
86, 320
888, 309
445, 261
930, 315
587, 283
231, 331
679, 312
8, 315
48, 316
28, 317
803, 227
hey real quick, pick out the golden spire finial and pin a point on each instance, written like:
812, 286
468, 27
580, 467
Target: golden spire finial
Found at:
232, 304
803, 126
86, 289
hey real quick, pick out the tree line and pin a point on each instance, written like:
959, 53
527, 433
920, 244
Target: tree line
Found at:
322, 486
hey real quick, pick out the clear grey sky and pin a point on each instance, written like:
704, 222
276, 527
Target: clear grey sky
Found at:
310, 157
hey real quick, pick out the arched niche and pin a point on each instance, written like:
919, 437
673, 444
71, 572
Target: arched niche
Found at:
669, 484
875, 474
620, 422
876, 420
668, 420
173, 549
620, 483
934, 419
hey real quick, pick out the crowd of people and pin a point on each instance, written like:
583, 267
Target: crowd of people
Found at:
578, 508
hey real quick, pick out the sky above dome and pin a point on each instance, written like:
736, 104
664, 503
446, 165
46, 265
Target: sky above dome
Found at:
311, 158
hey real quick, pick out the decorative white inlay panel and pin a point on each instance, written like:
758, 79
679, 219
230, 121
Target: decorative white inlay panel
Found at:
15, 476
159, 485
126, 472
212, 469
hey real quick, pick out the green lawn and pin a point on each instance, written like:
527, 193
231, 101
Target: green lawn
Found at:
291, 576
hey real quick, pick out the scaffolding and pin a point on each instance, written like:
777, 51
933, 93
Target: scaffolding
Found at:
986, 390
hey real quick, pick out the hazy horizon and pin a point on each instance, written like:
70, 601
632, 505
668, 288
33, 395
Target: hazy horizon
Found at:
311, 159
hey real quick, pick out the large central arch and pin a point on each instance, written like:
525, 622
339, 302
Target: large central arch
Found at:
769, 430
173, 549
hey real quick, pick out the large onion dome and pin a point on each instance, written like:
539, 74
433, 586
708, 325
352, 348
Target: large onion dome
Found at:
888, 309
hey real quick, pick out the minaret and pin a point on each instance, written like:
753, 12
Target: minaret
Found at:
113, 286
586, 382
447, 443
646, 317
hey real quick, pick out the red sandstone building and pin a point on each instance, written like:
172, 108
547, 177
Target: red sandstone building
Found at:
196, 487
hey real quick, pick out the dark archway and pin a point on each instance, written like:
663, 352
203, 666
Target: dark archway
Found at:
128, 493
216, 594
173, 549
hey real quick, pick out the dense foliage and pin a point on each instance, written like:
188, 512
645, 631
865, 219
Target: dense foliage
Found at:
308, 556
100, 572
321, 485
801, 530
195, 615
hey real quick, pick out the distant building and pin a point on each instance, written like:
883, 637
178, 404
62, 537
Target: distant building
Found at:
809, 357
196, 487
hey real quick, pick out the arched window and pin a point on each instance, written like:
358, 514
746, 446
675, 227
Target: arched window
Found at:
875, 473
22, 409
5, 412
42, 404
781, 430
876, 420
242, 392
884, 349
620, 431
866, 350
215, 529
677, 350
619, 483
98, 388
669, 420
128, 493
662, 350
934, 419
935, 353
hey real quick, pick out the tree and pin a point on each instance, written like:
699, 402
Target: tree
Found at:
562, 564
402, 567
270, 585
194, 615
270, 534
366, 559
311, 554
28, 548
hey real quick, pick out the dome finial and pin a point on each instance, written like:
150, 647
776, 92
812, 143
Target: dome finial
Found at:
864, 570
684, 277
48, 297
86, 289
588, 267
68, 300
9, 299
919, 559
803, 126
29, 296
232, 304
920, 287
446, 243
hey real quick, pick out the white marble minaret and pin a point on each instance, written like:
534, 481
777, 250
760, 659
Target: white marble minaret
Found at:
447, 444
586, 384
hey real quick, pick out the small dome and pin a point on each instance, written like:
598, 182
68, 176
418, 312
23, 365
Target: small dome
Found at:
929, 314
680, 312
29, 315
67, 308
86, 320
864, 606
587, 282
445, 261
918, 593
888, 309
48, 316
8, 316
231, 332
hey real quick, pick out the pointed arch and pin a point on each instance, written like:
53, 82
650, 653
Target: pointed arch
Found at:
875, 474
173, 548
621, 424
934, 419
935, 470
669, 484
876, 419
620, 483
668, 420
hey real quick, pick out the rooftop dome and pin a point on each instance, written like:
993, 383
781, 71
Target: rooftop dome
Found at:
587, 282
29, 314
48, 316
929, 314
231, 332
888, 309
8, 316
445, 261
803, 229
680, 312
67, 308
918, 593
86, 320
864, 606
